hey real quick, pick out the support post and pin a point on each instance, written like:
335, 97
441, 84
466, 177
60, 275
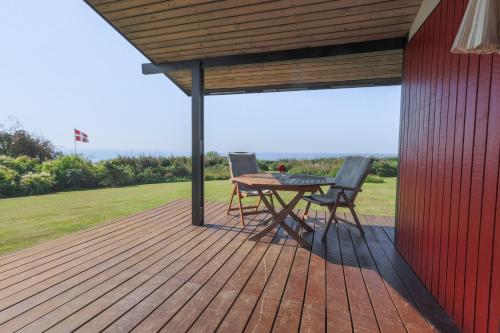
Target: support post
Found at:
197, 124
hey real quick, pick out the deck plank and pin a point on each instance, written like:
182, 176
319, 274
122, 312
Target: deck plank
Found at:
265, 311
127, 263
387, 315
241, 310
362, 312
290, 310
337, 303
314, 308
151, 284
81, 253
426, 304
39, 251
172, 304
401, 297
86, 270
191, 310
62, 271
154, 271
216, 310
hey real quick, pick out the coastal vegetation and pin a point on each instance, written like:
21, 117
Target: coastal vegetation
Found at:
30, 165
23, 175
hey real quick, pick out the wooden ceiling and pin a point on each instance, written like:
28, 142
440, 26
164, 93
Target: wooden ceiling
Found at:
179, 30
330, 72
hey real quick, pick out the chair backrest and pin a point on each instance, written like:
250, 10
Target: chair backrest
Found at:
352, 174
241, 163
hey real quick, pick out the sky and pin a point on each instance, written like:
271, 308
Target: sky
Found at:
63, 67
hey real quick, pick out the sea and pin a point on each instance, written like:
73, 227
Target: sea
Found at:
105, 154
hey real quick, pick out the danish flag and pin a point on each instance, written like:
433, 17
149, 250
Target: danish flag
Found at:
80, 136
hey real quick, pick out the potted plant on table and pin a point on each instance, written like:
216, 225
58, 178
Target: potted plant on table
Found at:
282, 169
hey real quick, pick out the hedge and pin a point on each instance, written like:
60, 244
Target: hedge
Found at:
27, 176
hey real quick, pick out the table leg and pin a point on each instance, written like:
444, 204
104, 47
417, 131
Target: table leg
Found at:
279, 218
292, 214
274, 214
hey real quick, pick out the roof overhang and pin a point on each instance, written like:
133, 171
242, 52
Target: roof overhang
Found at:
267, 45
426, 9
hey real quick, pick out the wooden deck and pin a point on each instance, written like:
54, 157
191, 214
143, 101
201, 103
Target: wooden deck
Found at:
154, 271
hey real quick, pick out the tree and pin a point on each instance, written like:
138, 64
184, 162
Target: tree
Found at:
16, 141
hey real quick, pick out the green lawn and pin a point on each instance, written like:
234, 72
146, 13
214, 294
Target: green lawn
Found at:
31, 220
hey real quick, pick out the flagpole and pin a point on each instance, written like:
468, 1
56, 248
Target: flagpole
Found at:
74, 139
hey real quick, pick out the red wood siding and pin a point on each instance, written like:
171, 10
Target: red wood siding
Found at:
447, 226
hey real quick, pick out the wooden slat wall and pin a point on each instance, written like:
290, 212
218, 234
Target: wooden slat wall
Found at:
175, 30
348, 68
448, 225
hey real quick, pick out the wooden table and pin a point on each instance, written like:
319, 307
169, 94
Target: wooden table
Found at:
284, 182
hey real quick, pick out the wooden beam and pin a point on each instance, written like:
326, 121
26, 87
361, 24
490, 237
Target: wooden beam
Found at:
297, 87
265, 57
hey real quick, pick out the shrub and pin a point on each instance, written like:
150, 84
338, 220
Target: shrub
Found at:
36, 183
385, 168
17, 142
142, 163
71, 171
177, 171
217, 172
374, 179
263, 166
113, 174
20, 164
151, 175
30, 176
214, 159
8, 181
320, 167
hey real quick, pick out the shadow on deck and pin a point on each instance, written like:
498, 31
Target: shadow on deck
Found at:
154, 271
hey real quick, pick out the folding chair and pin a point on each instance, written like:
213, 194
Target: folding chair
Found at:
348, 183
241, 163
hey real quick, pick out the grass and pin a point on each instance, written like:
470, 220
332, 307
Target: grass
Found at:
26, 221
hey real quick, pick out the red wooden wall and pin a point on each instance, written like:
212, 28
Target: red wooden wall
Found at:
448, 206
